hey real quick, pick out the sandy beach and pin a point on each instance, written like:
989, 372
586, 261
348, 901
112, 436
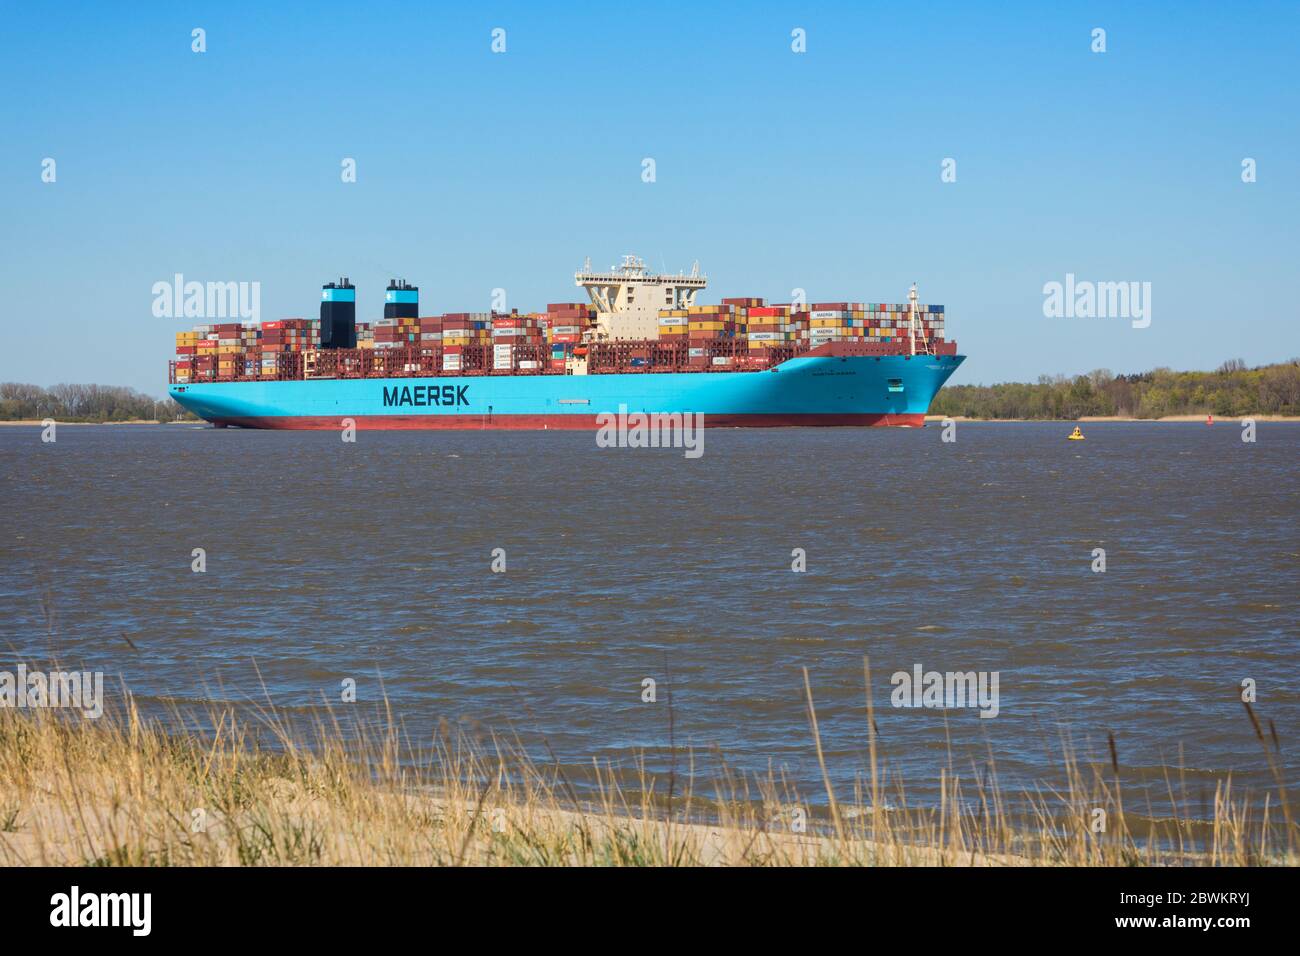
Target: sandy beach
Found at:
123, 791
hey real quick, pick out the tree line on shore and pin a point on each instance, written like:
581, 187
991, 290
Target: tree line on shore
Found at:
84, 403
1232, 390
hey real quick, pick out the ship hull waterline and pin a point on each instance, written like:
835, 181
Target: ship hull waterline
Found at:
819, 391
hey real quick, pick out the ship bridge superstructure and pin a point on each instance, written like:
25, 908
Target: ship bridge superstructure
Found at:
628, 297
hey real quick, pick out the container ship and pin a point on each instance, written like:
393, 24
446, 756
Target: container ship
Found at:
640, 343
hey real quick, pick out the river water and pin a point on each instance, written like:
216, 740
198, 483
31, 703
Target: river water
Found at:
373, 561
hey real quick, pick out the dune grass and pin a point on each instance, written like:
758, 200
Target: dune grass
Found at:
248, 791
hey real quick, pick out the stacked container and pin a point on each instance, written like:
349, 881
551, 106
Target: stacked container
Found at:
672, 324
705, 325
800, 326
710, 322
428, 334
285, 335
767, 327
566, 321
187, 345
205, 353
836, 322
396, 333
233, 341
461, 329
517, 342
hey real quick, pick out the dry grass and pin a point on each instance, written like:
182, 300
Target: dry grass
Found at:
128, 791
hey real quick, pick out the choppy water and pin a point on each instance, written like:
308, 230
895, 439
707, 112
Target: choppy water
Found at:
372, 561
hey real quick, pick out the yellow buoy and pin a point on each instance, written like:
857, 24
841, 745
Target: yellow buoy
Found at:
1076, 435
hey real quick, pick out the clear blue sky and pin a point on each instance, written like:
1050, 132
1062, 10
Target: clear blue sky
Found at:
775, 170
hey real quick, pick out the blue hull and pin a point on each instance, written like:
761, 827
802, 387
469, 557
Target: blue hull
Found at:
806, 390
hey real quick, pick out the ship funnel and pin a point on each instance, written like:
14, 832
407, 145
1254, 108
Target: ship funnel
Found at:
401, 300
338, 315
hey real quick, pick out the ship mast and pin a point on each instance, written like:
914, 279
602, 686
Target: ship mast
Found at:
914, 324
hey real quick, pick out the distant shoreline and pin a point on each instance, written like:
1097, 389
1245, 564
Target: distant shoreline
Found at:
129, 421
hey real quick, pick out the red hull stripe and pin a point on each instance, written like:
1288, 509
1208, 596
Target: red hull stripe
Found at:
568, 422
